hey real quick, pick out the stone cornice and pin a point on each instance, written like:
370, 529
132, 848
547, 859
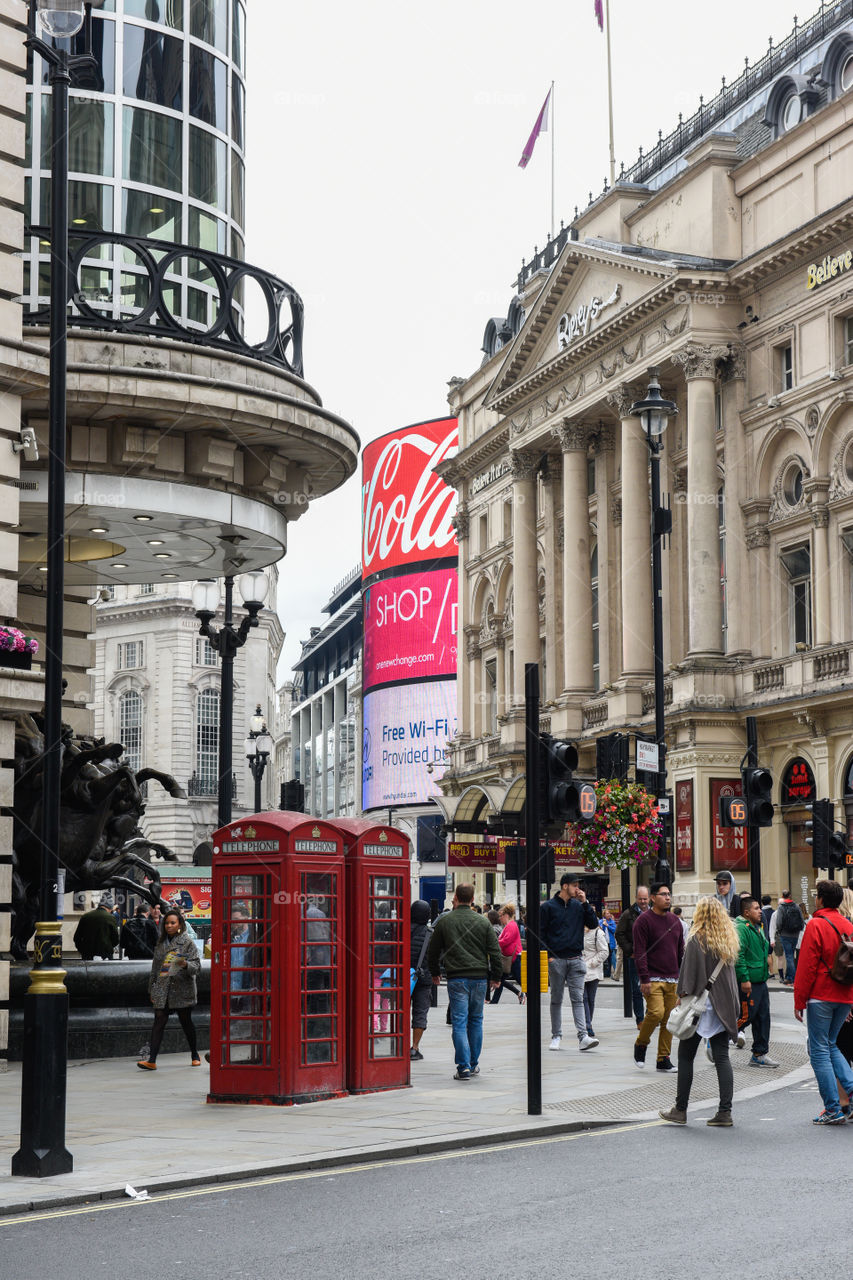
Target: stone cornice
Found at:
795, 249
475, 457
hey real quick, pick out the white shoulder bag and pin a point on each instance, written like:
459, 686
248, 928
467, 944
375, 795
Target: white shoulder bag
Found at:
684, 1019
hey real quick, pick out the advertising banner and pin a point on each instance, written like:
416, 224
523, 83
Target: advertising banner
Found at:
406, 729
474, 857
565, 855
410, 627
193, 898
684, 825
407, 509
728, 844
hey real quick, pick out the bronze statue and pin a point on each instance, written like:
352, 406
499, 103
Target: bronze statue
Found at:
101, 845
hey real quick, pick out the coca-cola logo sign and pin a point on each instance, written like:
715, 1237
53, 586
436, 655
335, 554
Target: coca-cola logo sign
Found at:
407, 509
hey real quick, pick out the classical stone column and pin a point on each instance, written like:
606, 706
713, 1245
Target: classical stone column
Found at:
821, 582
636, 541
577, 591
524, 563
463, 672
704, 603
607, 541
736, 460
553, 683
762, 619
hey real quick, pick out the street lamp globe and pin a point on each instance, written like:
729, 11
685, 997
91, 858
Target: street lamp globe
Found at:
257, 724
654, 412
264, 743
253, 587
205, 596
60, 18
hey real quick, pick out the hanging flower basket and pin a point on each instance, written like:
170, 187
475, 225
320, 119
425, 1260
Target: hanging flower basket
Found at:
17, 649
625, 830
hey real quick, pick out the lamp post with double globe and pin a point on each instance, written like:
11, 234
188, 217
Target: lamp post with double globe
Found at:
259, 745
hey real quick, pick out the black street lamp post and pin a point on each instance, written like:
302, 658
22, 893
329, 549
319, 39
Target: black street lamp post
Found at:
259, 747
42, 1152
654, 412
226, 640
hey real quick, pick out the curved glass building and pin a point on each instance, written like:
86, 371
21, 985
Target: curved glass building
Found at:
156, 151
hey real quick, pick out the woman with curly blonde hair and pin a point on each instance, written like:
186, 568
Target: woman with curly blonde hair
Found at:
712, 938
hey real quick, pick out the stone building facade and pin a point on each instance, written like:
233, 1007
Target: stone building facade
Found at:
723, 259
157, 691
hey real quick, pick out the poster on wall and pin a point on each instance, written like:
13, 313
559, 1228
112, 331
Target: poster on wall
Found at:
472, 856
404, 745
684, 858
193, 898
410, 627
407, 510
728, 844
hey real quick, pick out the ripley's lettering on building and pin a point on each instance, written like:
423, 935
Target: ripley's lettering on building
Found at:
819, 272
577, 324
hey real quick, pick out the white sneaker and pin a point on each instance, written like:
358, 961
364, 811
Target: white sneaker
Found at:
741, 1040
555, 1043
588, 1042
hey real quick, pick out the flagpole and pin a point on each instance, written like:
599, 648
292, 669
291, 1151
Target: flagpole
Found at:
610, 96
553, 131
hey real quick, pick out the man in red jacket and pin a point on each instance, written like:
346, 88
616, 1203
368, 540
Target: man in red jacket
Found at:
826, 1002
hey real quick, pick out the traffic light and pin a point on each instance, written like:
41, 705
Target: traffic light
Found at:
821, 825
757, 786
562, 798
292, 796
837, 852
732, 811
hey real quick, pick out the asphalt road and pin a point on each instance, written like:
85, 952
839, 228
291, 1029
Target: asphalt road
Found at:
652, 1201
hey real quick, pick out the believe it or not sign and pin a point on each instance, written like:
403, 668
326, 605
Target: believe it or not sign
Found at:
728, 844
647, 756
474, 857
819, 272
684, 857
798, 784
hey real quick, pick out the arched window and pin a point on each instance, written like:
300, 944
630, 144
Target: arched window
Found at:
207, 741
130, 728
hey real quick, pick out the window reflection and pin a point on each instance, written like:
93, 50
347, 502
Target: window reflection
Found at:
238, 111
90, 206
237, 175
153, 67
103, 78
207, 177
169, 12
209, 22
207, 88
152, 148
206, 232
238, 35
90, 136
149, 214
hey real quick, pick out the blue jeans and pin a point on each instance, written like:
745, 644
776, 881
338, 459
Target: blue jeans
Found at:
788, 945
824, 1021
466, 1018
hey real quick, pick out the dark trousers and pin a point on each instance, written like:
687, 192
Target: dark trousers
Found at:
725, 1075
161, 1017
755, 1013
511, 980
636, 993
589, 990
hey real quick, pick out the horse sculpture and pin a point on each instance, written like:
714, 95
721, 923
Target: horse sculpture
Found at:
101, 804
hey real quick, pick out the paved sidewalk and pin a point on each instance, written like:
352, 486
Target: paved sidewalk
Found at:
155, 1131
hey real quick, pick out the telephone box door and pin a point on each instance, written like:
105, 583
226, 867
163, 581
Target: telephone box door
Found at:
245, 975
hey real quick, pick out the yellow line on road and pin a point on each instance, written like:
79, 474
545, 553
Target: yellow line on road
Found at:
335, 1171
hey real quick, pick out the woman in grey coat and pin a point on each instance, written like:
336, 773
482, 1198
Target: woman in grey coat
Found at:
712, 938
172, 985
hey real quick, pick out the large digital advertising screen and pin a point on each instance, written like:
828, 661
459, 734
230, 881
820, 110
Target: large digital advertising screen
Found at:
410, 627
406, 728
407, 510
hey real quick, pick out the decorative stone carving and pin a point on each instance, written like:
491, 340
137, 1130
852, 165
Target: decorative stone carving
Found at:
522, 465
517, 425
621, 399
812, 419
757, 536
572, 437
699, 361
461, 522
603, 439
733, 368
616, 511
780, 505
839, 482
820, 517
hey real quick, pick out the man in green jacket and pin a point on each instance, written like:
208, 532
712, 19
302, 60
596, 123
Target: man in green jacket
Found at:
468, 947
752, 972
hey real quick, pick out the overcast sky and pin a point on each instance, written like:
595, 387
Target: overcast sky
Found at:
383, 184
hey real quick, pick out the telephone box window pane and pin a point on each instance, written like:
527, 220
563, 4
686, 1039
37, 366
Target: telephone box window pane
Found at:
246, 970
318, 968
387, 970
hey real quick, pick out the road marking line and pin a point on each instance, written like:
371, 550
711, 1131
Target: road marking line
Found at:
277, 1179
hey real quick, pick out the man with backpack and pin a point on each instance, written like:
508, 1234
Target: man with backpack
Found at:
139, 935
789, 926
823, 988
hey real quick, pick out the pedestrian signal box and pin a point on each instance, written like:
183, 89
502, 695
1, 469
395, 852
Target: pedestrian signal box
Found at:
733, 812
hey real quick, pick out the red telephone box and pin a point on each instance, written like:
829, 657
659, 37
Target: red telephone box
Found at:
277, 1012
378, 931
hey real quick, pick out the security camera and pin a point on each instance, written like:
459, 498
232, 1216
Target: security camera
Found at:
27, 445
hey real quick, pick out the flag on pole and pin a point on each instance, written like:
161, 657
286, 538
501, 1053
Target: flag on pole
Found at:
599, 13
541, 126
